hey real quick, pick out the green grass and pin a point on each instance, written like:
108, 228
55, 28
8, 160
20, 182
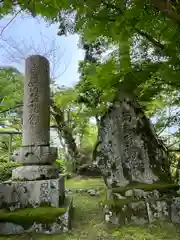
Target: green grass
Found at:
88, 222
84, 183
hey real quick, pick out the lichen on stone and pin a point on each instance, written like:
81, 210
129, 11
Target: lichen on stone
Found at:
128, 148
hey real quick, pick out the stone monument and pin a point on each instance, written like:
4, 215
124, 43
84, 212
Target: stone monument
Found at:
36, 183
135, 167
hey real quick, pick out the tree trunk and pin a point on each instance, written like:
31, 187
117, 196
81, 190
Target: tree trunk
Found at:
67, 134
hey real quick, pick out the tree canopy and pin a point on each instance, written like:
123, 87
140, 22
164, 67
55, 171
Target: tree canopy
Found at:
131, 45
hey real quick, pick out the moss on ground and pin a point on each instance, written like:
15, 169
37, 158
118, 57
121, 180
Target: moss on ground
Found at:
84, 183
30, 215
88, 223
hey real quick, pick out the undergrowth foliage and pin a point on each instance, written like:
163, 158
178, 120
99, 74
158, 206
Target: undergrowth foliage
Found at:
6, 170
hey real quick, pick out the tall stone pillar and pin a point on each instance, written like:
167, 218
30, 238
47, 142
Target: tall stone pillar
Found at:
37, 183
36, 111
36, 115
38, 174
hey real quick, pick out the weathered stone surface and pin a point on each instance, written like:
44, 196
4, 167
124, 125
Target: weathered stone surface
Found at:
139, 212
36, 110
36, 115
158, 210
15, 195
128, 149
138, 206
59, 225
39, 155
175, 210
29, 173
129, 193
9, 228
93, 192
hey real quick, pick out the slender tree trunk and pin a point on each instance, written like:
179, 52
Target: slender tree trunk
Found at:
66, 133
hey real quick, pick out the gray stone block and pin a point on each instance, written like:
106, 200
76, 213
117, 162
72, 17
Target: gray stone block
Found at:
37, 155
35, 172
175, 210
16, 195
158, 210
60, 224
142, 207
9, 228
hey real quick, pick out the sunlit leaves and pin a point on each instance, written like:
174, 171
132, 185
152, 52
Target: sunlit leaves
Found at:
65, 97
11, 95
11, 88
170, 74
89, 137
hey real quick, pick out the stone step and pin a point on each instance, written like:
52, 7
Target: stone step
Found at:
47, 220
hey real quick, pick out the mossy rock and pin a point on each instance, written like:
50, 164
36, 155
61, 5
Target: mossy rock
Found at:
118, 204
28, 216
147, 187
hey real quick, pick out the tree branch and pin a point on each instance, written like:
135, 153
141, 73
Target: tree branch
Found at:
173, 150
150, 39
174, 143
167, 7
66, 132
4, 28
12, 108
145, 35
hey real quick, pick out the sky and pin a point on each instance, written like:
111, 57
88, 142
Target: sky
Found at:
25, 36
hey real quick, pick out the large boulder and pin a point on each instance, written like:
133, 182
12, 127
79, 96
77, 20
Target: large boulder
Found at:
128, 149
131, 157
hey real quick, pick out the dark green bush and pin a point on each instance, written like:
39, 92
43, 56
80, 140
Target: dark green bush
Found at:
6, 170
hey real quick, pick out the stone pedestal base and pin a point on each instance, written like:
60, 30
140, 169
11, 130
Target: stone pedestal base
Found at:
138, 206
37, 155
41, 220
30, 173
15, 195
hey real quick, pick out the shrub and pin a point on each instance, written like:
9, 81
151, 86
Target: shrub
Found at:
89, 170
6, 170
61, 164
65, 166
